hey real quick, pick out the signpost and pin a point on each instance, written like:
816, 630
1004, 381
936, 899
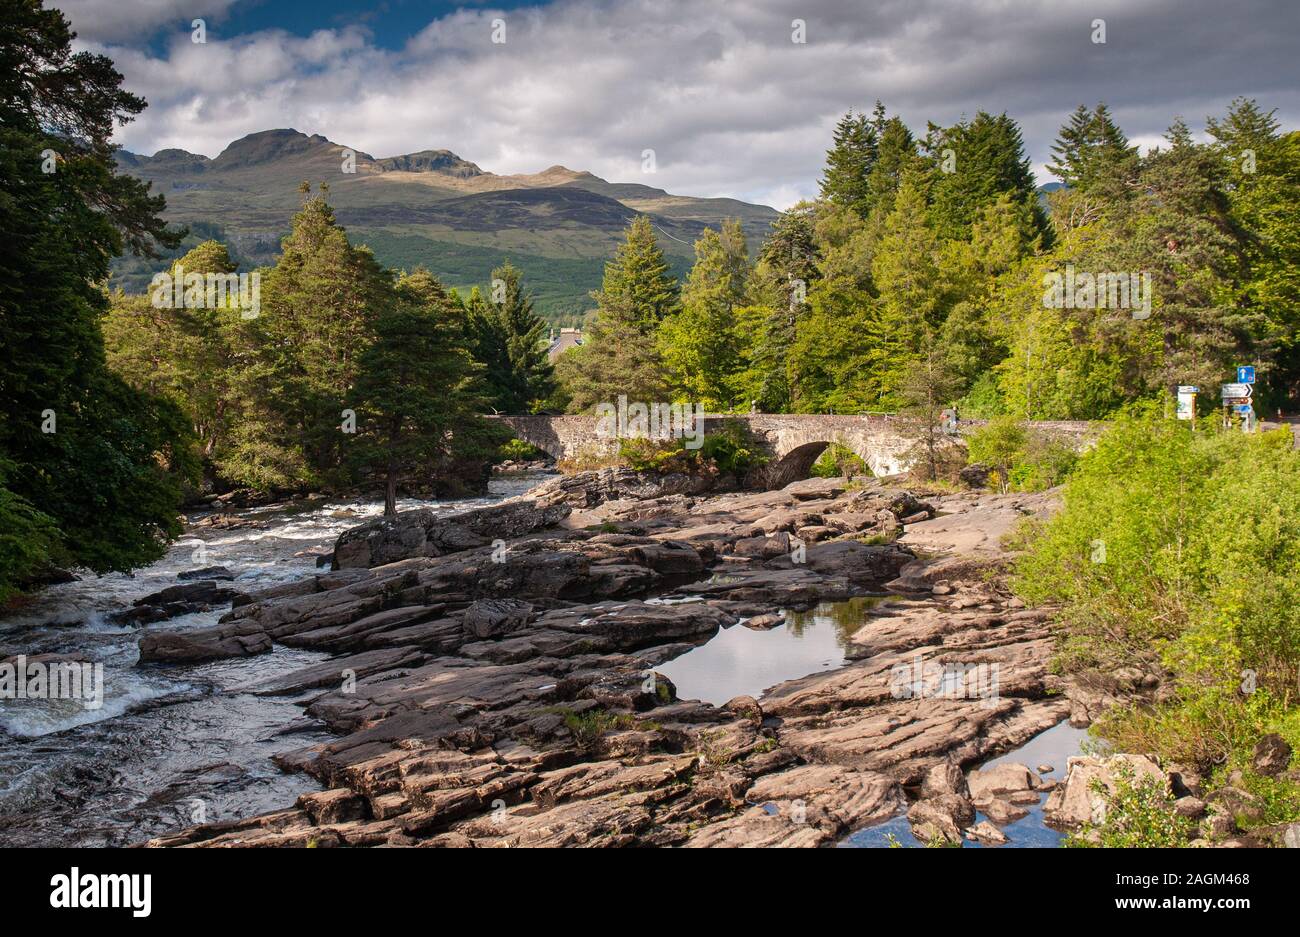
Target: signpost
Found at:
1237, 397
1187, 401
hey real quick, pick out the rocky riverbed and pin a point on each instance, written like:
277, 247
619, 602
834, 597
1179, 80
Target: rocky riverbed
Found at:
499, 677
615, 658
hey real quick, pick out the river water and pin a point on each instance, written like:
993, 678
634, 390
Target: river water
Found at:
171, 745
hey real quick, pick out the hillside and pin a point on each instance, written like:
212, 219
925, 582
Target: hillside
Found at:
431, 208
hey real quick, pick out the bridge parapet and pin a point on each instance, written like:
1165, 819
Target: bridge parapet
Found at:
792, 441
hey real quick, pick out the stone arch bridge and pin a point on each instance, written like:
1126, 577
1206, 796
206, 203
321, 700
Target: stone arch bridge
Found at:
792, 441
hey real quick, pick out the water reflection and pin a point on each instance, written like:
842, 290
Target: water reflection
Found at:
742, 661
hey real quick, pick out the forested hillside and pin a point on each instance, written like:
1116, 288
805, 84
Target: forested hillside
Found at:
930, 263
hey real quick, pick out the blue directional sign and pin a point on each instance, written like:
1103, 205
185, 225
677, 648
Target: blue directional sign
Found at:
1243, 408
1246, 374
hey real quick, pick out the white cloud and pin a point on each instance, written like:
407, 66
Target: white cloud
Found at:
136, 20
729, 104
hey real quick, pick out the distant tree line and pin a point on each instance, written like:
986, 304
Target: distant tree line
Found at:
917, 279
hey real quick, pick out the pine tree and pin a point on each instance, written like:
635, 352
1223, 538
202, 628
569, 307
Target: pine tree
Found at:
1092, 154
318, 310
897, 155
415, 394
988, 161
95, 467
785, 273
1181, 234
183, 353
1263, 185
849, 162
620, 354
507, 338
701, 344
911, 296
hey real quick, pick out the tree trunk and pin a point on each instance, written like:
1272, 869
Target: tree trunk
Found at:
390, 490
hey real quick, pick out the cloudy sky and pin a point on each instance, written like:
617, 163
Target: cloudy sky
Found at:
728, 102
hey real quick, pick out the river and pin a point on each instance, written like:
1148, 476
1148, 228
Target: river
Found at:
171, 745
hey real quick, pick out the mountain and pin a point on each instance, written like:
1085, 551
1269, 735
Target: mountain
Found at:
431, 208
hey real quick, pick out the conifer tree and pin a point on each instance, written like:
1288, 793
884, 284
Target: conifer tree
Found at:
415, 394
620, 354
701, 345
1092, 154
508, 340
91, 467
849, 162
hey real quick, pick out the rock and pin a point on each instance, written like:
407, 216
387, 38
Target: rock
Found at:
1241, 805
1045, 769
764, 622
999, 779
239, 638
1272, 755
937, 818
815, 533
746, 707
1184, 781
763, 547
1003, 811
183, 599
491, 618
669, 557
1191, 807
987, 833
975, 475
1291, 836
340, 671
1075, 802
334, 806
583, 490
1218, 822
207, 572
427, 533
945, 778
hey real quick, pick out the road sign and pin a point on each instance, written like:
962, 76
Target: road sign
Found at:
1186, 403
1188, 389
1235, 390
1246, 374
1244, 408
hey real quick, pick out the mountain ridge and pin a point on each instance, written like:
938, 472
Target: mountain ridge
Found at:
431, 208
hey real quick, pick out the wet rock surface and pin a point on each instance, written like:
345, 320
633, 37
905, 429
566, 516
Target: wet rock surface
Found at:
506, 694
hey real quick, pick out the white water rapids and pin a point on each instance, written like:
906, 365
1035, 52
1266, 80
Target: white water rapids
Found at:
171, 745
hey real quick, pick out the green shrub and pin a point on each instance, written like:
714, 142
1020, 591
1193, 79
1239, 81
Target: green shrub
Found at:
839, 461
730, 449
516, 450
1019, 459
1139, 814
727, 450
1180, 551
29, 540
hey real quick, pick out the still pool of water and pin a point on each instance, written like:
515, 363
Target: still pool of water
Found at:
741, 661
1052, 747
